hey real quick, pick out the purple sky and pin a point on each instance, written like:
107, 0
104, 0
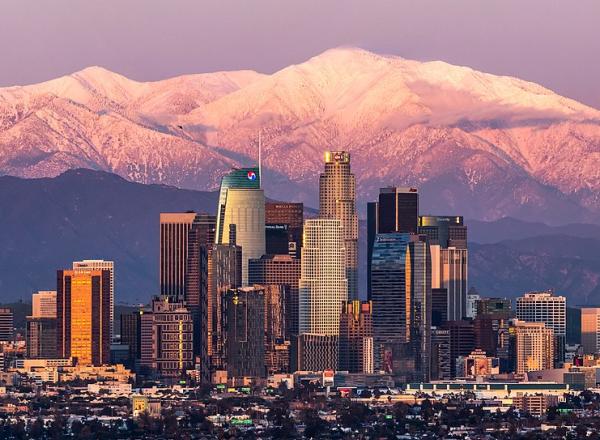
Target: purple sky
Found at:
555, 43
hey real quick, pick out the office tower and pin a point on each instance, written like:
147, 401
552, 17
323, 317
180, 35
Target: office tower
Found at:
337, 200
317, 352
446, 231
277, 346
439, 307
282, 270
440, 354
167, 338
185, 240
43, 304
590, 330
573, 325
453, 277
462, 340
323, 284
552, 311
245, 332
242, 203
397, 210
401, 294
532, 346
131, 334
486, 306
356, 337
292, 215
6, 324
83, 315
85, 265
472, 299
277, 239
41, 337
488, 330
372, 222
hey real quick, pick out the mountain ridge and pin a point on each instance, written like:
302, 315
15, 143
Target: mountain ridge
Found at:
488, 146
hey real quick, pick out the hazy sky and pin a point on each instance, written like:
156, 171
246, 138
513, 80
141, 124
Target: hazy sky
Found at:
555, 43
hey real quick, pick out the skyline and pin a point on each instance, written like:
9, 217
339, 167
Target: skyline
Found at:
64, 38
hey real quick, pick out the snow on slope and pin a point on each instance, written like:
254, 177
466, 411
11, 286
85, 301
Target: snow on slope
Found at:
481, 144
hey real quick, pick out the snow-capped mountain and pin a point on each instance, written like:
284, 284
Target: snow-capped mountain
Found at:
477, 144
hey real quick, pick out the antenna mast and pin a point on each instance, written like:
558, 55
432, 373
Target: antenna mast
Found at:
260, 176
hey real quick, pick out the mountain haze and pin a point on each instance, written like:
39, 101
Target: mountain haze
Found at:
476, 144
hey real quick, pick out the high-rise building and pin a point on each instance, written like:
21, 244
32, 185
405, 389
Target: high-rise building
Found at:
86, 265
590, 330
532, 346
245, 332
278, 239
282, 270
486, 306
551, 310
462, 341
185, 242
440, 354
323, 285
472, 299
167, 338
83, 315
574, 325
337, 200
453, 277
277, 346
6, 324
402, 300
225, 274
317, 352
292, 215
41, 337
131, 334
489, 328
446, 231
397, 210
439, 306
356, 337
43, 304
242, 203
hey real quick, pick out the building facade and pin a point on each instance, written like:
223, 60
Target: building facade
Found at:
85, 265
337, 200
551, 310
83, 315
356, 337
323, 285
291, 215
590, 330
43, 304
532, 346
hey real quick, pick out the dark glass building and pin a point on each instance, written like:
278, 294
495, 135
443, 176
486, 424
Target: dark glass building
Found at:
292, 215
245, 332
6, 324
439, 306
41, 338
462, 340
131, 335
356, 337
446, 231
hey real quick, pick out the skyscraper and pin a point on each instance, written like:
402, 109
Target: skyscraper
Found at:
42, 326
101, 265
43, 304
337, 200
397, 210
461, 339
277, 346
282, 270
533, 346
167, 338
292, 215
131, 334
225, 274
83, 315
551, 310
242, 203
245, 332
590, 330
401, 295
356, 337
185, 242
323, 284
6, 324
447, 231
453, 277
